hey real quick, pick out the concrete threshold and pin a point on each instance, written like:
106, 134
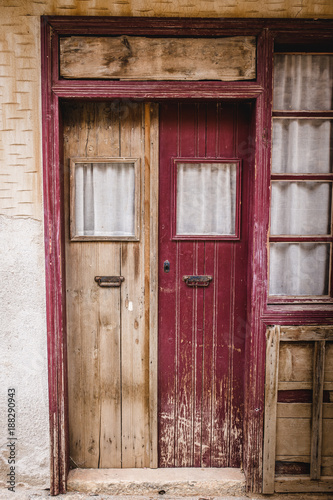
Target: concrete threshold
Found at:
180, 482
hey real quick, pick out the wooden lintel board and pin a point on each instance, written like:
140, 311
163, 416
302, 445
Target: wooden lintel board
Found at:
143, 58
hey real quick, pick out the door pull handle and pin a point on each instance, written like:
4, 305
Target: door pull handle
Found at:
109, 281
196, 281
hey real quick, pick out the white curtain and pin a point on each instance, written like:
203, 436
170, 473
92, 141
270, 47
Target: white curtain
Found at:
299, 268
104, 199
302, 146
301, 208
206, 198
303, 82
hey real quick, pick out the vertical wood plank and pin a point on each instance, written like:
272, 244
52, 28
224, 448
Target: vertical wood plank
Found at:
88, 315
107, 130
317, 409
272, 365
72, 118
135, 347
186, 315
168, 294
151, 145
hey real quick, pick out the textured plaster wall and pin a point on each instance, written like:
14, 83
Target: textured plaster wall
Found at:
23, 361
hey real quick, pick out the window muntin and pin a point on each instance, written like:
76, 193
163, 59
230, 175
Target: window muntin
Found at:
207, 198
301, 188
104, 198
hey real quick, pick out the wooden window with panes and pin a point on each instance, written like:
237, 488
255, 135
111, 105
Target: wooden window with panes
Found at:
301, 178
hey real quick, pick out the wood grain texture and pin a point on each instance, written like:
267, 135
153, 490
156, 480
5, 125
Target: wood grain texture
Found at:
108, 338
317, 409
152, 152
302, 484
306, 333
271, 381
296, 362
303, 428
140, 58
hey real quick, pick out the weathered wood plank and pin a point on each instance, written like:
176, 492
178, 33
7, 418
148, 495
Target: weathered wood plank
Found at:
328, 372
293, 436
302, 410
306, 333
140, 58
326, 462
294, 410
327, 466
272, 365
327, 445
151, 149
293, 458
299, 386
135, 342
83, 324
296, 362
301, 484
107, 124
317, 408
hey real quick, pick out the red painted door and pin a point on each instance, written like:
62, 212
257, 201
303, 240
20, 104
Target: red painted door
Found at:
202, 328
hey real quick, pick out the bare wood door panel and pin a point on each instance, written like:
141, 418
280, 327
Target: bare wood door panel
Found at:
108, 365
202, 330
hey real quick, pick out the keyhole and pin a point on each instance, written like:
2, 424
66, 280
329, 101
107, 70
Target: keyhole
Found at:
166, 266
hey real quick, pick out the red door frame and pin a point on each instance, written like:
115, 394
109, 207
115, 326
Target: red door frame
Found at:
55, 89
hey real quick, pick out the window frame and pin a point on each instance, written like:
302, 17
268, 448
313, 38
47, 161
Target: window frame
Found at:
306, 177
227, 237
81, 160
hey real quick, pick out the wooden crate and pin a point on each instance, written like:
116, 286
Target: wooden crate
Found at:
298, 433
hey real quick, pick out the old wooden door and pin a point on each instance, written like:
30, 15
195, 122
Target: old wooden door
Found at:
106, 177
205, 179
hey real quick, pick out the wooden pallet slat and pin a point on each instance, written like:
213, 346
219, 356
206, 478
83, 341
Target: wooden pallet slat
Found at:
317, 409
272, 365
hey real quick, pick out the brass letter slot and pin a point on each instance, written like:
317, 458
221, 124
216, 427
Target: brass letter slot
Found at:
197, 280
109, 281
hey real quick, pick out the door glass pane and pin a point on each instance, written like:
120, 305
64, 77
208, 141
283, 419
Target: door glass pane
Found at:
302, 146
299, 268
206, 198
301, 208
104, 199
303, 82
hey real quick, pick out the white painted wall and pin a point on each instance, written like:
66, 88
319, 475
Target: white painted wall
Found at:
23, 358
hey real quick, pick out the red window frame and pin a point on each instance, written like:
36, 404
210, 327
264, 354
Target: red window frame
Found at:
276, 177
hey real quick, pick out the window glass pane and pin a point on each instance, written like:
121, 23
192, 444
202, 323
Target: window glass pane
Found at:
301, 208
206, 198
303, 82
302, 146
299, 268
105, 199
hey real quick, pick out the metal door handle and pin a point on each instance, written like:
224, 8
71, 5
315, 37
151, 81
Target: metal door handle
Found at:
109, 281
197, 280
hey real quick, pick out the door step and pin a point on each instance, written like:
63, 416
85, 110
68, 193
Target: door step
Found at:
182, 482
